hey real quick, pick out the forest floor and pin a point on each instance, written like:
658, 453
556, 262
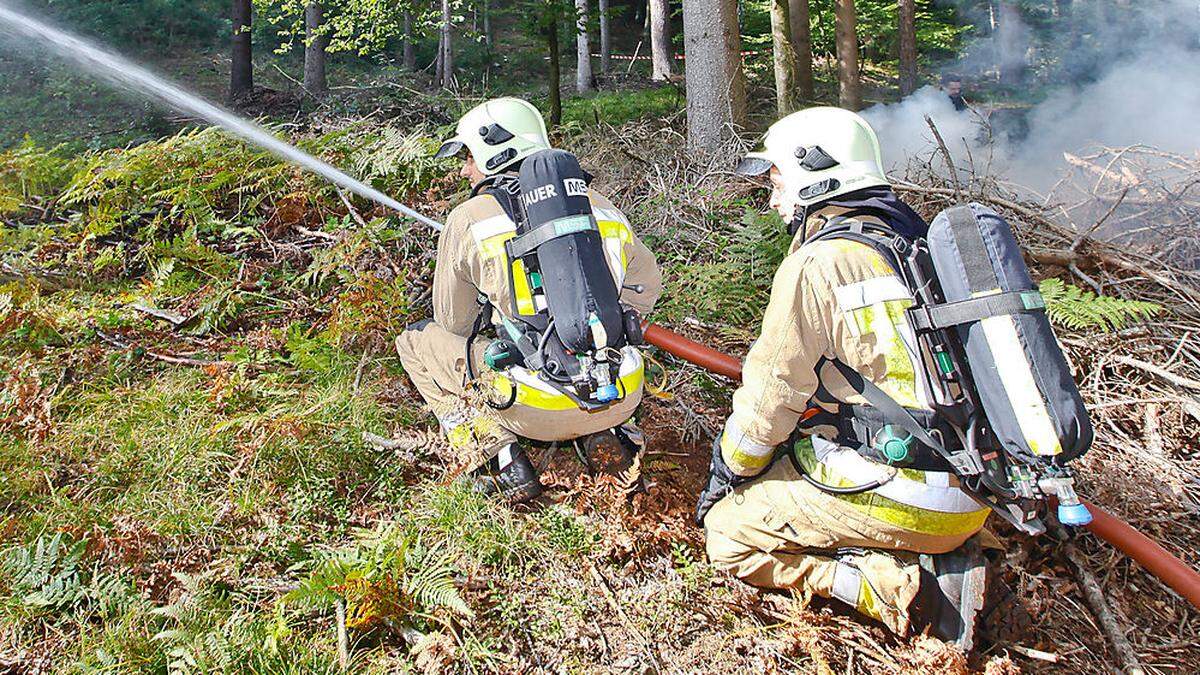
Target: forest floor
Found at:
210, 458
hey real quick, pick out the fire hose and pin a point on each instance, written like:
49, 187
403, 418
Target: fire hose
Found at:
1154, 558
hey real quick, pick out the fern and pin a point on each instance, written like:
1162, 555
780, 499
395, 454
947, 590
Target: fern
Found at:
47, 577
385, 577
1073, 307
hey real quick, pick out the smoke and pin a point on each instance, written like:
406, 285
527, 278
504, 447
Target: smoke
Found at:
1120, 75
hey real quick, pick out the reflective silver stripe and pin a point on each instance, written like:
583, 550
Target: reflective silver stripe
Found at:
847, 583
736, 439
934, 494
490, 227
1016, 374
870, 292
609, 214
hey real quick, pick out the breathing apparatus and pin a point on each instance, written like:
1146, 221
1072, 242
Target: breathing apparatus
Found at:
965, 323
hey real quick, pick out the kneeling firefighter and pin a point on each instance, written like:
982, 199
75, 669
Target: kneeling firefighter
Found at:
906, 383
538, 291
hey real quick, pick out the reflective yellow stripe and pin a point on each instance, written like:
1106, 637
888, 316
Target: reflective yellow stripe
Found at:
493, 247
892, 510
617, 233
744, 455
876, 306
1016, 375
521, 290
868, 604
543, 400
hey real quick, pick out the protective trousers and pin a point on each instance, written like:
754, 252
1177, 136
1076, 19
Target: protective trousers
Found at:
778, 531
435, 360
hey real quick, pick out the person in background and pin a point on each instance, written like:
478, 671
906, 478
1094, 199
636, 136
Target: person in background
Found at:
952, 85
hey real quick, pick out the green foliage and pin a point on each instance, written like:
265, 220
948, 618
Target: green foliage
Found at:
734, 288
48, 576
938, 31
29, 171
140, 24
619, 107
1073, 307
387, 576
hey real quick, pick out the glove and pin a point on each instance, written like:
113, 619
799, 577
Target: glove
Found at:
721, 481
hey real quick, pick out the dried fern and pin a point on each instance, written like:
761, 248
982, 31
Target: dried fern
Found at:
1072, 307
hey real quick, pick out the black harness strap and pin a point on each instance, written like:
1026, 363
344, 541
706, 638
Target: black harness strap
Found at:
949, 314
972, 250
963, 462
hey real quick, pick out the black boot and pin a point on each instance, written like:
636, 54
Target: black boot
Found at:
952, 594
615, 451
509, 474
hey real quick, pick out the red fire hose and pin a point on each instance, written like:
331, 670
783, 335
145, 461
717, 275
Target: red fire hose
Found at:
1167, 568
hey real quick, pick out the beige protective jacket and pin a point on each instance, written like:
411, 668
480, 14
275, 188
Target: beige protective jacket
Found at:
471, 260
840, 299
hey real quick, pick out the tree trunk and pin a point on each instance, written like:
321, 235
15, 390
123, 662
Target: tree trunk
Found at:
908, 47
605, 38
410, 52
849, 87
660, 39
316, 41
446, 76
783, 58
715, 83
1010, 44
798, 16
241, 73
555, 73
487, 24
583, 49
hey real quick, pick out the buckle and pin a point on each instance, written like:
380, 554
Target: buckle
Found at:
965, 463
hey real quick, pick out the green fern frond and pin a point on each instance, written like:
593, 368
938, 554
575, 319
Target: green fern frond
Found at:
45, 575
432, 588
1072, 307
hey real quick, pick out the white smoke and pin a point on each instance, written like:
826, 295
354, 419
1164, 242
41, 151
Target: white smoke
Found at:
1141, 86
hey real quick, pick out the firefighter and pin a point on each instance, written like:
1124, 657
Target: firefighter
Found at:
806, 510
472, 287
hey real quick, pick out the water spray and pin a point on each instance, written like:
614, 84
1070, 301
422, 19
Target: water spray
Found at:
127, 74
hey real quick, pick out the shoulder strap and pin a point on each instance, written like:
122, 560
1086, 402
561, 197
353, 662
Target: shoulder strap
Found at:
964, 463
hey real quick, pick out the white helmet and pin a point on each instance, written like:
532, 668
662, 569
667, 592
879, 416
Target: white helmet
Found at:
498, 133
821, 153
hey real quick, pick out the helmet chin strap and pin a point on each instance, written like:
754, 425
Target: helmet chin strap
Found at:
799, 218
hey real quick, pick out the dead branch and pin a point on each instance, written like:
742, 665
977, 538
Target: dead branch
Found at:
1094, 597
166, 358
937, 135
1160, 373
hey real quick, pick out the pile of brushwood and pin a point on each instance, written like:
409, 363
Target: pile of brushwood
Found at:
210, 459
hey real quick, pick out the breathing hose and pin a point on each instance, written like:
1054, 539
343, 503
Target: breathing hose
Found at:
1159, 562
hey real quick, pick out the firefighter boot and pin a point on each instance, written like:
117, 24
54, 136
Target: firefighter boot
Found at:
952, 594
509, 474
617, 452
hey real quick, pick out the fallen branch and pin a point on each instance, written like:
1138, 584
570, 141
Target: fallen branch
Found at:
170, 317
937, 135
1094, 597
1159, 372
167, 358
611, 596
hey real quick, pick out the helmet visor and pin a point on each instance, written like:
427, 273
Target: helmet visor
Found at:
450, 148
753, 166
